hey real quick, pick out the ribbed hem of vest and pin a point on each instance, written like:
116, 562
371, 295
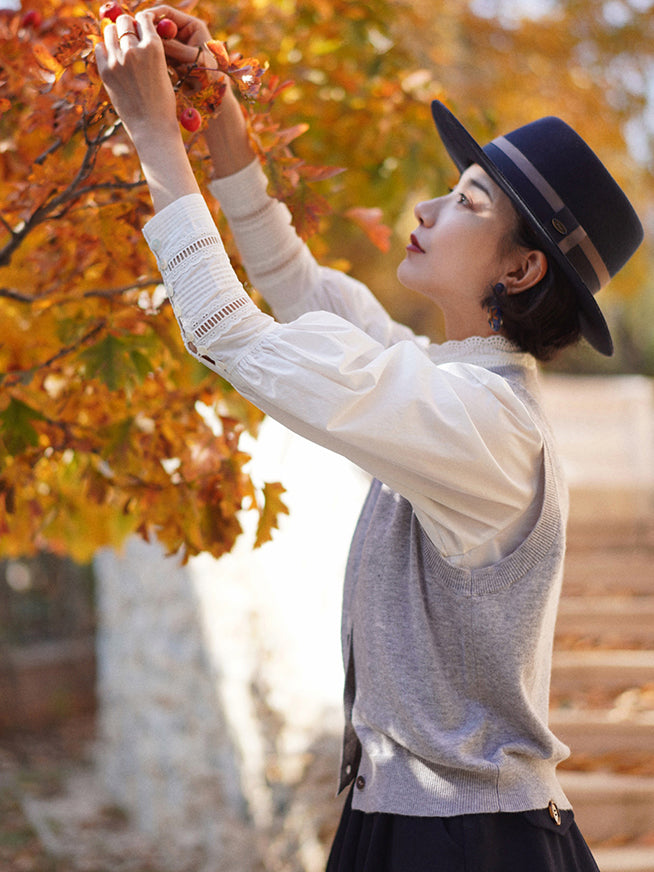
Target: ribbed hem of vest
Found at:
415, 788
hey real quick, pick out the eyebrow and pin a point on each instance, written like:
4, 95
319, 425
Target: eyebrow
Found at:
477, 184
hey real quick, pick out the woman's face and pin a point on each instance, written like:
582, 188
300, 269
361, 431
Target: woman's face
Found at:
460, 249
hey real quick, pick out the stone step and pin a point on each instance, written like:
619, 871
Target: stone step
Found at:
629, 534
595, 733
608, 617
606, 669
626, 859
599, 571
610, 807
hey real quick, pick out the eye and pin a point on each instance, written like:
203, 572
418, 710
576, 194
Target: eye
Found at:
461, 198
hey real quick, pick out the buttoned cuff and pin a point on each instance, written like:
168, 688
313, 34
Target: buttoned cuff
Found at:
205, 292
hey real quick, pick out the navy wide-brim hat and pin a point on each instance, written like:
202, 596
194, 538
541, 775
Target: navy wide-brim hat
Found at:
577, 210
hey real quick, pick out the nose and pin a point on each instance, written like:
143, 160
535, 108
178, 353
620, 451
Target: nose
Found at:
426, 211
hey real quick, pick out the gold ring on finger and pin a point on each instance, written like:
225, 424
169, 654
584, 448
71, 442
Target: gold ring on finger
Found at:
128, 33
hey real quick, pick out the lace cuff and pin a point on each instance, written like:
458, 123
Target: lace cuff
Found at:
202, 286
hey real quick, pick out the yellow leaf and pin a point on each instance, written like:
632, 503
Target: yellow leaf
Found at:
273, 506
47, 61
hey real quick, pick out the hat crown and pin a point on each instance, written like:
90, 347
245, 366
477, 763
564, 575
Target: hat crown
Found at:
551, 151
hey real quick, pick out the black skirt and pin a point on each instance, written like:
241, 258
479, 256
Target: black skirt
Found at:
530, 841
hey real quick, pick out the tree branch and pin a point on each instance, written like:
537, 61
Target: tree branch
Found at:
14, 377
105, 293
70, 194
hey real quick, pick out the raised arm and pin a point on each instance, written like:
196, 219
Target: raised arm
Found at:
226, 132
351, 387
132, 65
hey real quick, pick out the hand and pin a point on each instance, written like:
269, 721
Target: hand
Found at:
226, 132
132, 65
192, 34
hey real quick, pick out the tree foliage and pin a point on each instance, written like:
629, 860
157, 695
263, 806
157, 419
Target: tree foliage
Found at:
107, 427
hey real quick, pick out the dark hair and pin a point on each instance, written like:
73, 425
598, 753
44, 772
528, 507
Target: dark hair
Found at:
545, 318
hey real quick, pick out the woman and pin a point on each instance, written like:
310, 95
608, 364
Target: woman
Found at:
455, 568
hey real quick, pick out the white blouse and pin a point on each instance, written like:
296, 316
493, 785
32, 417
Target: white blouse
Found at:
430, 421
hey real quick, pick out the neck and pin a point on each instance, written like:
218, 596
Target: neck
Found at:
458, 328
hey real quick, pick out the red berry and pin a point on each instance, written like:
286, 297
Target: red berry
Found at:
111, 10
190, 119
167, 29
32, 18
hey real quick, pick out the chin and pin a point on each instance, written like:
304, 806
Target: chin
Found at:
402, 277
409, 282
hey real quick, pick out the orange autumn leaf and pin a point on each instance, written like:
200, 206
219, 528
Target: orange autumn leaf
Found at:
370, 221
47, 61
284, 137
218, 50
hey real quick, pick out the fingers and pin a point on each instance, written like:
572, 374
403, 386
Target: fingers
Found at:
191, 30
133, 69
164, 11
126, 32
129, 39
145, 25
117, 37
126, 24
180, 18
178, 51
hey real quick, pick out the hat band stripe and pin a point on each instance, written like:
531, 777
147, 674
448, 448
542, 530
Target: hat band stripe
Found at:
529, 170
577, 236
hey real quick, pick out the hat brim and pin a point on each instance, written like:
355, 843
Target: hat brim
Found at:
464, 151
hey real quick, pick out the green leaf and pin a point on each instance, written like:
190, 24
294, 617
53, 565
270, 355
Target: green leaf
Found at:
141, 365
16, 426
115, 437
105, 360
114, 362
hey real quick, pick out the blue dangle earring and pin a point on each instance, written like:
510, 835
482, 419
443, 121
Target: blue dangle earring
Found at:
495, 310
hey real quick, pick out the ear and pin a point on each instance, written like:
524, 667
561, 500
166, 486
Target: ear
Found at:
527, 271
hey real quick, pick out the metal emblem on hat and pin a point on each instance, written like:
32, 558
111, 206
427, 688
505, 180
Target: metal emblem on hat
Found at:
559, 226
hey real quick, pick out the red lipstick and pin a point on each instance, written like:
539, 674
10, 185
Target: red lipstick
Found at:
414, 245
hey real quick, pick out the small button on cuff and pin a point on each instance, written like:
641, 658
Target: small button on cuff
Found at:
360, 782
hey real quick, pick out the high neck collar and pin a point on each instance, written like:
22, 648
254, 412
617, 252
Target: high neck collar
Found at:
483, 351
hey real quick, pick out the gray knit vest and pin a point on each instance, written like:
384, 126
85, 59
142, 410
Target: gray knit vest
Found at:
447, 670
